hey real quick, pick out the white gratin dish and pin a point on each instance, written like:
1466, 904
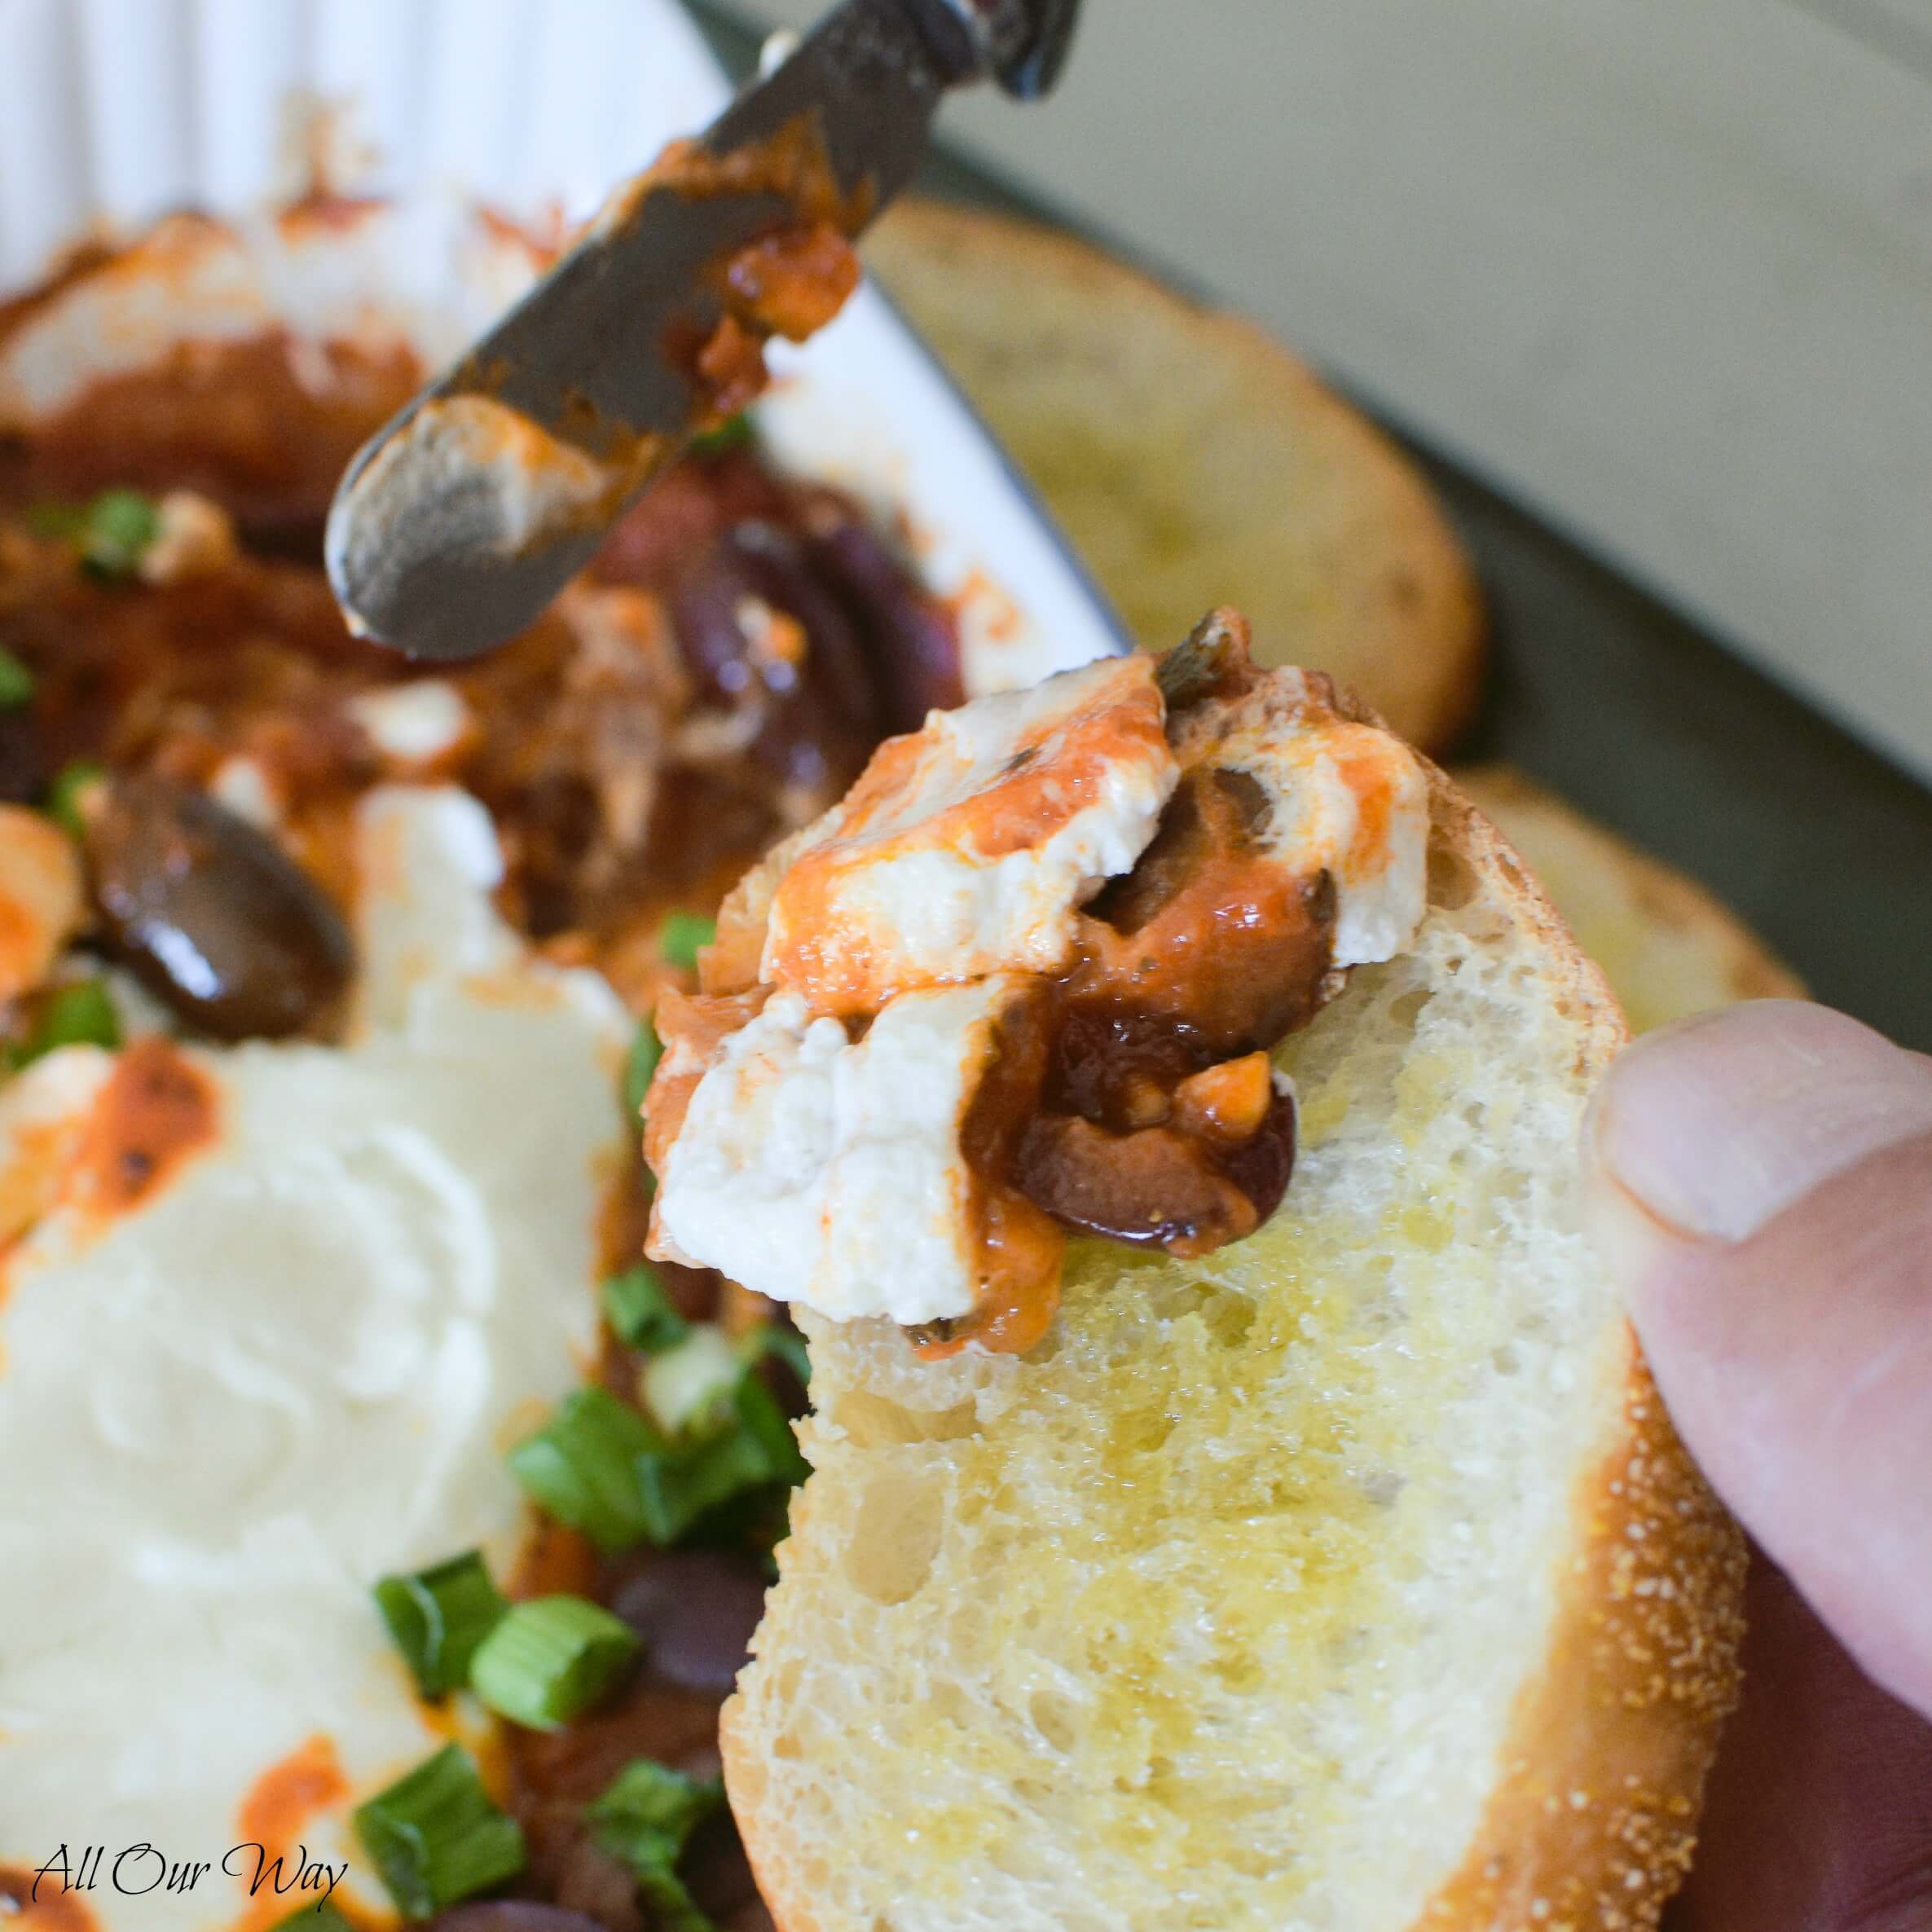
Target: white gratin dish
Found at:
114, 114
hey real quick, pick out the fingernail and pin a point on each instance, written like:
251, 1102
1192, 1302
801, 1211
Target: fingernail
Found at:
1712, 1128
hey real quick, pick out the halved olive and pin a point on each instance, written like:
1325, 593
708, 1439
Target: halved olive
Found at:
210, 914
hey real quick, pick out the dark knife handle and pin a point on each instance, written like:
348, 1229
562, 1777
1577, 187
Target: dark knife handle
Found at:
1022, 43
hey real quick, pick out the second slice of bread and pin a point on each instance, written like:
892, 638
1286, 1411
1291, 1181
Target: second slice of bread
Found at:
1349, 1579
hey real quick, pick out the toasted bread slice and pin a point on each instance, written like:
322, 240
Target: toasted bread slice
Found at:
1193, 460
1668, 948
1349, 1578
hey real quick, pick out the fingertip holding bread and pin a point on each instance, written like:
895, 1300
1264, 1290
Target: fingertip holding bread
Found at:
1192, 460
1349, 1577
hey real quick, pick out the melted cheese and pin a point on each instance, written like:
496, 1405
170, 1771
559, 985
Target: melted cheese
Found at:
294, 1367
413, 723
819, 1170
1348, 798
966, 847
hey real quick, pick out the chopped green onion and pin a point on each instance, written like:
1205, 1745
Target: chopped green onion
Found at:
681, 936
16, 682
110, 532
780, 1339
640, 1312
599, 1467
646, 1051
685, 1384
645, 1818
435, 1838
120, 524
79, 1015
64, 796
439, 1617
550, 1660
753, 1449
584, 1467
733, 433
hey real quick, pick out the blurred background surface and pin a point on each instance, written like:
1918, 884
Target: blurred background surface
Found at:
1663, 269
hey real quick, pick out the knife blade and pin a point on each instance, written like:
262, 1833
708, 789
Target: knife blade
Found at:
457, 523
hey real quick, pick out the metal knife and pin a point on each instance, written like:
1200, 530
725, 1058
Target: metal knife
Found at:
436, 543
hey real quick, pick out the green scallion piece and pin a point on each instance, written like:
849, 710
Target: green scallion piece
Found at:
439, 1617
79, 1015
550, 1660
644, 1820
780, 1339
63, 802
110, 532
646, 1051
681, 936
685, 1390
118, 526
640, 1312
733, 433
16, 682
753, 1449
585, 1465
435, 1838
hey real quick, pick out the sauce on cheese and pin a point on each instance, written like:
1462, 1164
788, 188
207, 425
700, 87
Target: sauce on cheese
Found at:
157, 1111
1163, 875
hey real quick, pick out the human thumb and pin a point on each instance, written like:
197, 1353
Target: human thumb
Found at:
1760, 1178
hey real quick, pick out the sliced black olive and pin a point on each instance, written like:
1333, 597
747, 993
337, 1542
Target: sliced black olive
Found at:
211, 915
1156, 1187
910, 640
696, 1610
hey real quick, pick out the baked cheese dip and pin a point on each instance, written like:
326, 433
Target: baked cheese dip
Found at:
1024, 980
381, 1531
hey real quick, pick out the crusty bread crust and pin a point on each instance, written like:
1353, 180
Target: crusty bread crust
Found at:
1592, 1828
1591, 1825
1667, 946
1194, 461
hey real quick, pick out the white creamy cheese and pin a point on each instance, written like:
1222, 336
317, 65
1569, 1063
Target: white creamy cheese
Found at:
966, 848
292, 1368
415, 722
243, 785
1348, 798
830, 1172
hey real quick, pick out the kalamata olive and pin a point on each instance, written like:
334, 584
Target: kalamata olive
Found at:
1157, 1187
696, 1610
824, 714
512, 1915
210, 913
909, 638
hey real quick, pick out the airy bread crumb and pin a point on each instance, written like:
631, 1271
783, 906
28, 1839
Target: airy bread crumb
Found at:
1306, 1586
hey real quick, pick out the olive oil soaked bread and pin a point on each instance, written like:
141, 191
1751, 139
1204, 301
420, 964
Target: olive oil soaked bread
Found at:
1350, 1578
